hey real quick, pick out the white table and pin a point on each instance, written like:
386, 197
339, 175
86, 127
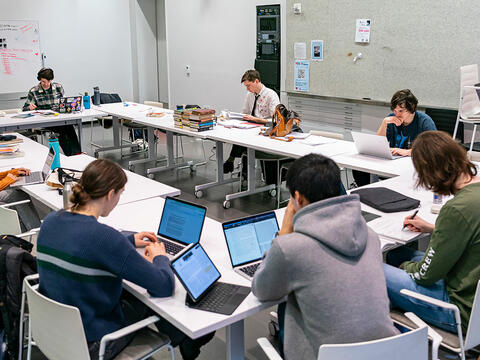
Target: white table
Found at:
145, 215
137, 188
10, 123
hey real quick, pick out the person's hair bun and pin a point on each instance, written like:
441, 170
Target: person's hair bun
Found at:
79, 197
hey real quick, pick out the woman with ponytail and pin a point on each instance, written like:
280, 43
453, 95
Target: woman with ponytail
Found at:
82, 263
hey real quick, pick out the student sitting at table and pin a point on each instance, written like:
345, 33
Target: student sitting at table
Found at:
449, 270
42, 97
82, 263
259, 107
27, 214
327, 262
401, 127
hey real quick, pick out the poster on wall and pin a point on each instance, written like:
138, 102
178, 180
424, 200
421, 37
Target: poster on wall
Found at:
362, 31
317, 50
301, 74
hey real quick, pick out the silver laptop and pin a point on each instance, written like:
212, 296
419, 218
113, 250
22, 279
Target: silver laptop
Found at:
37, 177
181, 224
373, 145
248, 239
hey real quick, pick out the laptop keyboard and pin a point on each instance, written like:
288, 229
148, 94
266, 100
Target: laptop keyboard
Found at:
217, 296
250, 269
34, 177
172, 248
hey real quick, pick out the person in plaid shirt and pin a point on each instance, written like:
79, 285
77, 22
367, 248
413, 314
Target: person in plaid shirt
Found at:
42, 97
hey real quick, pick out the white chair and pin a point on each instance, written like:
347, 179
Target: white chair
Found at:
469, 107
9, 221
412, 345
58, 331
457, 343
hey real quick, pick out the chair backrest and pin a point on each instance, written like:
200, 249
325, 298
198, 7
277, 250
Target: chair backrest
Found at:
56, 328
470, 103
9, 222
412, 345
445, 120
154, 103
327, 134
472, 338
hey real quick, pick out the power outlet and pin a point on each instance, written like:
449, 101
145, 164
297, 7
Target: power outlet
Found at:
187, 70
297, 8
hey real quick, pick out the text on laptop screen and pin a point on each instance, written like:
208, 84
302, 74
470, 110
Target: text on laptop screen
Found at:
181, 221
196, 271
249, 238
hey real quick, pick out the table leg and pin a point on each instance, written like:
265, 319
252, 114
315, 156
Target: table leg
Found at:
116, 139
152, 151
252, 189
235, 341
220, 177
79, 127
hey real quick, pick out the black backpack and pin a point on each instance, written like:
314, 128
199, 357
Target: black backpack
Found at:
106, 98
16, 262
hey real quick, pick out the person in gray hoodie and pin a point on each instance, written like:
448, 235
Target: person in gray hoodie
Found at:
327, 262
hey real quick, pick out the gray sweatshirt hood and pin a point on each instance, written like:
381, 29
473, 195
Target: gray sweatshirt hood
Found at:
336, 222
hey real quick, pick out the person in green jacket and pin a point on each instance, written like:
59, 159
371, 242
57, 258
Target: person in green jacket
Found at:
449, 270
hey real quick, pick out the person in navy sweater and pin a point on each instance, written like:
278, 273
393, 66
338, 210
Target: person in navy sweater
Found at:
82, 263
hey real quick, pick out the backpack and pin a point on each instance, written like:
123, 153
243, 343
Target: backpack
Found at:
106, 98
16, 262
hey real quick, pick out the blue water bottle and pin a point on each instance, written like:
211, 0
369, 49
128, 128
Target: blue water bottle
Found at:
53, 142
86, 101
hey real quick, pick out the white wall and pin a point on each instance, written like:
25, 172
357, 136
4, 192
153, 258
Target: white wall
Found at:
217, 38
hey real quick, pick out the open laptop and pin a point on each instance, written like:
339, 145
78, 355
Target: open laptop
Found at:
181, 224
373, 145
199, 276
248, 239
37, 177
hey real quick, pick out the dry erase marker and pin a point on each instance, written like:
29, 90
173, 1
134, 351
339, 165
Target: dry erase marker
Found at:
411, 218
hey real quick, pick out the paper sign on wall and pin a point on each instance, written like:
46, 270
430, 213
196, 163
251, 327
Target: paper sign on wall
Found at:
362, 32
317, 50
301, 74
300, 50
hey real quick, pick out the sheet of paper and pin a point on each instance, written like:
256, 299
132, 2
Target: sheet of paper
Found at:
314, 140
234, 115
300, 51
297, 135
301, 75
386, 243
362, 31
385, 226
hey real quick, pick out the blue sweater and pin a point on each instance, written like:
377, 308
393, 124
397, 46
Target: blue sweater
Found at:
82, 262
403, 136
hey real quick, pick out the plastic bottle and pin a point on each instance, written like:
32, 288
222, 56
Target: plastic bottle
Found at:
53, 142
437, 203
86, 101
96, 96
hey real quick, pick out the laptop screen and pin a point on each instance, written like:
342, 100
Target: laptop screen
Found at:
182, 221
249, 238
48, 162
196, 271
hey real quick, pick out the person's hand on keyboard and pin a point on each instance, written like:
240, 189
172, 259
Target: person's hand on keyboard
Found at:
153, 250
22, 172
144, 238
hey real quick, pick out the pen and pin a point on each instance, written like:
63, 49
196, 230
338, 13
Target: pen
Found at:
411, 218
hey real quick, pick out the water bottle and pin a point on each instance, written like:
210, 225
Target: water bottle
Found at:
67, 191
53, 142
437, 203
96, 96
86, 101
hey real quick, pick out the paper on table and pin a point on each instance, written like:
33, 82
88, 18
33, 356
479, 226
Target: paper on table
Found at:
239, 124
234, 115
392, 229
297, 135
317, 140
386, 243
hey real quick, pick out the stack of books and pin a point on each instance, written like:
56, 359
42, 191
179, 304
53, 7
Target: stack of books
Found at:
10, 148
177, 118
202, 119
186, 119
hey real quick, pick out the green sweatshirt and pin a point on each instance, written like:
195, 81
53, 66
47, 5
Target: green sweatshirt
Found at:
454, 251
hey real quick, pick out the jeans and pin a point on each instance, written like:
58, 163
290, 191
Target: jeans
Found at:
27, 214
398, 279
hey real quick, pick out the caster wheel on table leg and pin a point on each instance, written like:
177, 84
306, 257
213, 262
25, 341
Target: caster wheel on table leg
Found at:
226, 204
198, 194
151, 176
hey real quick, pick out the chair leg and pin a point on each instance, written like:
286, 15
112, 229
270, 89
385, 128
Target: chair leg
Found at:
172, 351
473, 139
29, 348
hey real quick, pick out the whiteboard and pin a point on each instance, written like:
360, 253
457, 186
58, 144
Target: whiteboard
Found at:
419, 45
20, 55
